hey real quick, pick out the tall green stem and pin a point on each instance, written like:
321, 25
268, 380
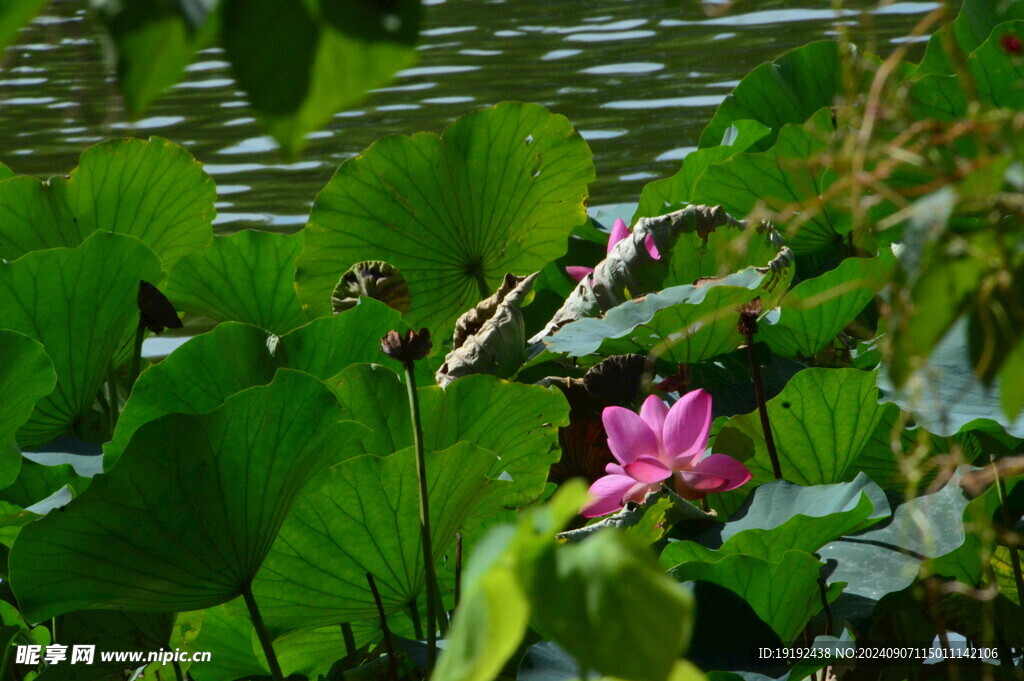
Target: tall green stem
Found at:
349, 638
762, 405
428, 551
262, 633
112, 399
140, 335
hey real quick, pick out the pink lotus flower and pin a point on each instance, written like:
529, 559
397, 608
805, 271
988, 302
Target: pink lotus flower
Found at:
659, 443
619, 232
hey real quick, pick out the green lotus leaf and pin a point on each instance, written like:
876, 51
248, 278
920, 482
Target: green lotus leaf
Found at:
966, 564
786, 175
972, 27
821, 421
1011, 394
228, 639
15, 631
520, 421
312, 652
779, 516
13, 15
659, 195
579, 599
79, 304
365, 518
498, 192
26, 376
209, 368
494, 611
326, 56
1002, 569
694, 243
887, 557
996, 75
784, 594
814, 311
246, 277
154, 42
5, 172
127, 544
788, 90
682, 324
153, 190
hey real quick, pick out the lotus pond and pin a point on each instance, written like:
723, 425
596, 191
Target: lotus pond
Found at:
764, 420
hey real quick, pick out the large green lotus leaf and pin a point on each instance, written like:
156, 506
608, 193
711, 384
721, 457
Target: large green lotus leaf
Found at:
5, 172
128, 543
787, 175
78, 304
659, 196
780, 516
205, 371
887, 557
13, 15
365, 518
594, 599
814, 311
246, 277
326, 56
312, 652
821, 421
26, 376
683, 324
968, 31
228, 639
154, 42
518, 421
995, 73
498, 192
494, 611
153, 190
784, 594
788, 90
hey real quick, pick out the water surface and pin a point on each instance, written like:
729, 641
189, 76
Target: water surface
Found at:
639, 79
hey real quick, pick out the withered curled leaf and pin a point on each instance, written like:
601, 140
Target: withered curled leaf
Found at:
629, 271
490, 338
373, 279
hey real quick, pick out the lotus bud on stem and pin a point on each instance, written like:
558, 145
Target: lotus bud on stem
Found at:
407, 348
747, 327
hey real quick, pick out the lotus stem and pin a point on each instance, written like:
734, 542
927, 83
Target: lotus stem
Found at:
177, 671
414, 615
140, 335
748, 327
350, 639
1018, 575
421, 476
392, 660
262, 633
112, 400
458, 566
